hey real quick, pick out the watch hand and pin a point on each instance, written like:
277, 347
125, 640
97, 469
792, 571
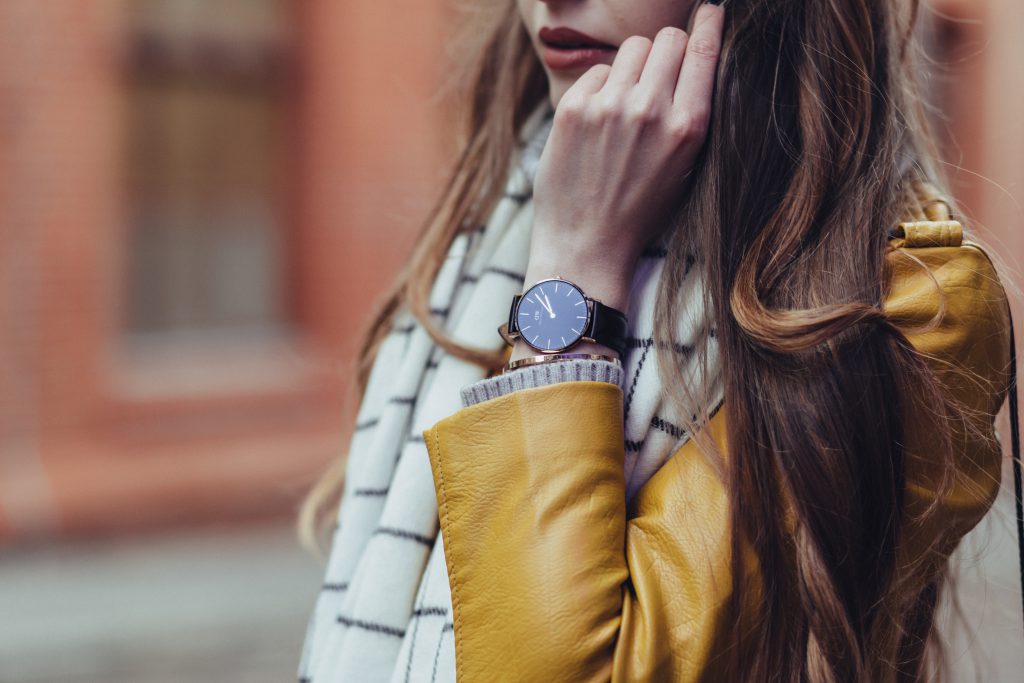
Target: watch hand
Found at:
548, 305
540, 300
544, 305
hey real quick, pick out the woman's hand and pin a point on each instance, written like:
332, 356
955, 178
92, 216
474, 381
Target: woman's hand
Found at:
624, 138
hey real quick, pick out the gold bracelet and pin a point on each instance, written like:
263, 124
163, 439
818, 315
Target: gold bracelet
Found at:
552, 357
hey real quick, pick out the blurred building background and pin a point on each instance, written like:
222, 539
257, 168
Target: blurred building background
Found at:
200, 200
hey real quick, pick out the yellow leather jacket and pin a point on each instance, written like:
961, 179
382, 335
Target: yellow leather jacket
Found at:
553, 579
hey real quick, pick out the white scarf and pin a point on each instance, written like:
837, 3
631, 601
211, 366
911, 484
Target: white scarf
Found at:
384, 611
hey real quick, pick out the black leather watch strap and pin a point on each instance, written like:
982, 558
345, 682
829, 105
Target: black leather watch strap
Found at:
513, 324
608, 327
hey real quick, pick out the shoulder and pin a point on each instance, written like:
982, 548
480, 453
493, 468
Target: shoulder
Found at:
945, 296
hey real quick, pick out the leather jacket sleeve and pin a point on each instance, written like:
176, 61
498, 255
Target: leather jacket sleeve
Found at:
553, 579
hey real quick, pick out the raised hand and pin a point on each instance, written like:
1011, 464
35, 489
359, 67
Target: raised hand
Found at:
623, 140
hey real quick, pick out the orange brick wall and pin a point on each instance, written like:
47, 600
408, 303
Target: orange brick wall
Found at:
96, 441
57, 210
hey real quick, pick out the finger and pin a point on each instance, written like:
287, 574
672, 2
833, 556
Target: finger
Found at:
628, 64
592, 80
661, 72
700, 63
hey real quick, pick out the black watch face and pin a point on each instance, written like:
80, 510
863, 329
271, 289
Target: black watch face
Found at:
552, 315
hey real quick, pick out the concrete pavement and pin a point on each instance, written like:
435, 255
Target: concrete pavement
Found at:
217, 605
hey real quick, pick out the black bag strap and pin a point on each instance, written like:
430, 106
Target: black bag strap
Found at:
1018, 482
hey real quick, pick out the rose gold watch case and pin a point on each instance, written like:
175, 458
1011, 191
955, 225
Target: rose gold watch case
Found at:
510, 338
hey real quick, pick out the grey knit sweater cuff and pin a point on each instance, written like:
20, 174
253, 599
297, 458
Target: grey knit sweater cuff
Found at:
541, 375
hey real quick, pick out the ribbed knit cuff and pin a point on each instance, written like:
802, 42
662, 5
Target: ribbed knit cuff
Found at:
541, 375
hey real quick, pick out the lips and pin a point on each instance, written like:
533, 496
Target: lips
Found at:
568, 49
565, 38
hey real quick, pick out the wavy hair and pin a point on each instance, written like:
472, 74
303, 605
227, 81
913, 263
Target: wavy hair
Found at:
817, 143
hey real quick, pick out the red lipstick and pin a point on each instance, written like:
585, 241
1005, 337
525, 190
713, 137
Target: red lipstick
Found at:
565, 48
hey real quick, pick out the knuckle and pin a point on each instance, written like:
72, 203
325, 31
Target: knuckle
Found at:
683, 127
571, 104
701, 115
642, 109
607, 107
703, 47
570, 110
672, 33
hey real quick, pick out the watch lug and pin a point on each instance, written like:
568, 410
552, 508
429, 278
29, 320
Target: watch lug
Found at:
509, 337
588, 331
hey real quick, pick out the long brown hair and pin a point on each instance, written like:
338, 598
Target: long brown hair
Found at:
816, 137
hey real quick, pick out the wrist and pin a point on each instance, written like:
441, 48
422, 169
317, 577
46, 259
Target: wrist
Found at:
604, 280
523, 350
603, 250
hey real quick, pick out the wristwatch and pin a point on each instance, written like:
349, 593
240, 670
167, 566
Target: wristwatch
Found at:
555, 315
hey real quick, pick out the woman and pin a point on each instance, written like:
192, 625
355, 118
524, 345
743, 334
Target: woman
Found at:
755, 452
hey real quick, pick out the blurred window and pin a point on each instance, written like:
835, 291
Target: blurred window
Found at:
208, 158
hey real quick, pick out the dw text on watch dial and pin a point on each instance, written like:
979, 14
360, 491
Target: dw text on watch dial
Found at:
552, 315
